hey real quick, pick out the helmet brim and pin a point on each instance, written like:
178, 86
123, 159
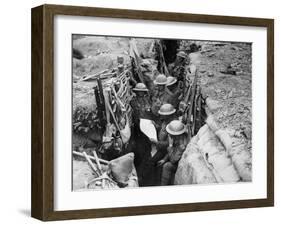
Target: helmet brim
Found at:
140, 90
175, 133
182, 56
167, 113
160, 83
172, 83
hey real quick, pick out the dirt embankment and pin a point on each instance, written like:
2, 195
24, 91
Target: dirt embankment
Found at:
226, 78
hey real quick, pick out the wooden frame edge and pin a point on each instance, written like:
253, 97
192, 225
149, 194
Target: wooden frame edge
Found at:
270, 111
158, 209
37, 113
155, 15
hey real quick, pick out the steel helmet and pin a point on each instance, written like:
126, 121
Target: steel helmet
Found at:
161, 79
120, 66
182, 54
176, 127
171, 80
140, 87
166, 109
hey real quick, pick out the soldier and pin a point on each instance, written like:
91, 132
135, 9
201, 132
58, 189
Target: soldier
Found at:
152, 172
120, 68
148, 70
177, 144
178, 68
140, 103
159, 95
167, 114
174, 91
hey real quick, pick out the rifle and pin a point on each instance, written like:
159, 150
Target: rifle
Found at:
100, 103
189, 98
164, 69
197, 110
188, 117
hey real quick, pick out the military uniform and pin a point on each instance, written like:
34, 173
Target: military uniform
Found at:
166, 111
178, 68
141, 103
173, 96
141, 106
158, 99
178, 71
173, 156
175, 152
150, 173
161, 146
163, 142
159, 95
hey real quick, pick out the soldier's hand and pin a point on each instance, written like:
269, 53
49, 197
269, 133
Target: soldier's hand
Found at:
161, 162
182, 106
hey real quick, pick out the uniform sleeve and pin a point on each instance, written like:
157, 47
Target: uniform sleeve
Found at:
162, 145
176, 155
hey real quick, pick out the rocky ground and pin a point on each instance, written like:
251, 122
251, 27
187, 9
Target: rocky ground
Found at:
226, 78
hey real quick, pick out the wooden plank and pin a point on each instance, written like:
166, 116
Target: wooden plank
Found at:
94, 168
37, 200
91, 157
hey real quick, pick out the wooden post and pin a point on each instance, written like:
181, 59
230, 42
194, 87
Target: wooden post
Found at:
91, 157
97, 161
94, 168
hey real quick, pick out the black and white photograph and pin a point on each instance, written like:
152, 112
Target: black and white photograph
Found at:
160, 112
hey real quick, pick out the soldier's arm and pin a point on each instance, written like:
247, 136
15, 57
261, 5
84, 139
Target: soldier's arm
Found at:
181, 149
162, 144
166, 158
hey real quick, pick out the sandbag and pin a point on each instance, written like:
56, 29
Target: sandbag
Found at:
211, 122
126, 132
133, 179
192, 168
241, 158
121, 168
224, 139
192, 69
242, 161
204, 129
214, 151
224, 167
208, 139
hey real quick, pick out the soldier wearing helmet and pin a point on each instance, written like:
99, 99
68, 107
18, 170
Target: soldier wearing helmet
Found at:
174, 90
167, 114
159, 95
177, 143
141, 103
178, 68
